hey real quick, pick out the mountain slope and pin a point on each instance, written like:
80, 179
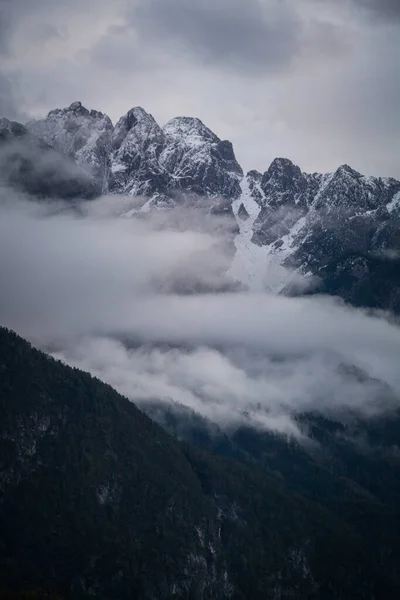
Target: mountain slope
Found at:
347, 464
339, 231
97, 501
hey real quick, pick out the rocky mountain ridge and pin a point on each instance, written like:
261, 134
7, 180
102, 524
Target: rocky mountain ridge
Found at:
334, 226
337, 232
138, 157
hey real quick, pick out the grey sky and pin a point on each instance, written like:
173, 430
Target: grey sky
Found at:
387, 9
316, 81
228, 32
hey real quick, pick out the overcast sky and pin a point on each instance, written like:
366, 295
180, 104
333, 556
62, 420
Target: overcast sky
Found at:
317, 81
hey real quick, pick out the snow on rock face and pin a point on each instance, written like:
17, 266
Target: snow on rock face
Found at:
183, 159
190, 130
137, 142
199, 161
80, 134
290, 223
283, 182
307, 221
394, 204
254, 265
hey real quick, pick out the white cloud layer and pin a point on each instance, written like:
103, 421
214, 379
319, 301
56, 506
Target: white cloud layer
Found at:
100, 292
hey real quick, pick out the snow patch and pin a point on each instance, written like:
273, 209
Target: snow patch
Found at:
394, 203
258, 268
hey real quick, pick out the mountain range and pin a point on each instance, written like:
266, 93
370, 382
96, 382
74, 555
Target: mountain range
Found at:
100, 500
337, 233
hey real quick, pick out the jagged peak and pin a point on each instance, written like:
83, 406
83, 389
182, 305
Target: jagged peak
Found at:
284, 171
189, 129
254, 174
282, 164
347, 170
136, 124
77, 110
134, 116
78, 107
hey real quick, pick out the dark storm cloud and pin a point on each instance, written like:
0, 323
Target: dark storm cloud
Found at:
386, 9
231, 32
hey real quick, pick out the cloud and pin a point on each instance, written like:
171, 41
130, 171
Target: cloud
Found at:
315, 81
30, 167
230, 387
14, 13
141, 304
137, 255
8, 101
386, 9
229, 32
9, 10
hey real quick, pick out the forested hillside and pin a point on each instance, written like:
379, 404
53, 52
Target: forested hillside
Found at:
98, 501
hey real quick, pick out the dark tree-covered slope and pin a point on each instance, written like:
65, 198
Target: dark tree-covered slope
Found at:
347, 464
97, 501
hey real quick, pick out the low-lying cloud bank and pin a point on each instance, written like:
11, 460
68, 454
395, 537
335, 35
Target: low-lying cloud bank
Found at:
143, 304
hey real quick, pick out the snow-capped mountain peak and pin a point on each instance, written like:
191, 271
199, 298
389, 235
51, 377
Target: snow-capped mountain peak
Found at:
198, 160
135, 117
136, 127
189, 130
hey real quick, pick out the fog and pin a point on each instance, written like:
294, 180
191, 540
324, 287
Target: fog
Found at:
143, 303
